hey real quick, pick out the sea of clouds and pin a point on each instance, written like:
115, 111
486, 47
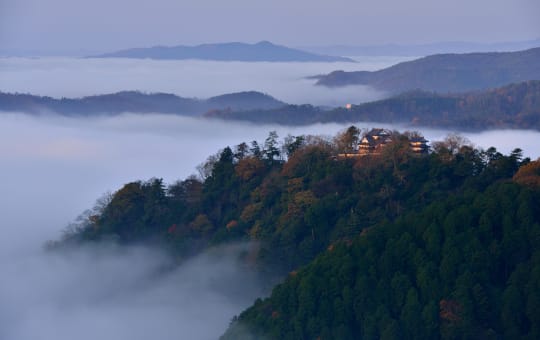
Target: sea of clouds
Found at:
73, 77
53, 168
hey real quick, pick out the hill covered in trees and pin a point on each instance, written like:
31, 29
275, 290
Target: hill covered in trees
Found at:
446, 72
134, 101
465, 267
393, 245
512, 106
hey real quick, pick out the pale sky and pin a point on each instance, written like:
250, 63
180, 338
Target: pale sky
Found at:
48, 25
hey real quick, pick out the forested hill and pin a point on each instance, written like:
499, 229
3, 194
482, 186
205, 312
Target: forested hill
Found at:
446, 72
394, 244
512, 106
134, 101
466, 267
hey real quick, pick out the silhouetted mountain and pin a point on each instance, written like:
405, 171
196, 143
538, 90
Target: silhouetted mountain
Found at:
133, 101
248, 100
418, 50
512, 106
446, 72
285, 115
234, 51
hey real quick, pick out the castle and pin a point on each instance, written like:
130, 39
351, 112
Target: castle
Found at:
374, 141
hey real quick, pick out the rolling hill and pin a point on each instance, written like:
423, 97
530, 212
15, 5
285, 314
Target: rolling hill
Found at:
133, 101
445, 72
512, 106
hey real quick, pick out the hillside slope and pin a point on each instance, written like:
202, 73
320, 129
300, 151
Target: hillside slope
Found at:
446, 72
392, 245
133, 101
465, 267
512, 106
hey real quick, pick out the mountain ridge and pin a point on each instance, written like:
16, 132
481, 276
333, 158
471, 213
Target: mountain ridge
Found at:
416, 50
232, 51
445, 72
512, 106
135, 101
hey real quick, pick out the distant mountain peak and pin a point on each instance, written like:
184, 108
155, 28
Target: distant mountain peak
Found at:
230, 51
265, 43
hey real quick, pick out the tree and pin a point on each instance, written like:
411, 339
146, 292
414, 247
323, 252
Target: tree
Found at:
241, 151
293, 143
451, 145
529, 174
255, 149
205, 169
347, 141
271, 149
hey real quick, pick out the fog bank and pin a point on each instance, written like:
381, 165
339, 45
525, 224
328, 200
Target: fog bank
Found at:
53, 168
71, 77
106, 292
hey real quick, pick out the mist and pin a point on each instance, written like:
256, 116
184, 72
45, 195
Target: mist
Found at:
53, 168
70, 77
107, 292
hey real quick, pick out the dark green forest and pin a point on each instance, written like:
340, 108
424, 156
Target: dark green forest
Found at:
466, 267
397, 245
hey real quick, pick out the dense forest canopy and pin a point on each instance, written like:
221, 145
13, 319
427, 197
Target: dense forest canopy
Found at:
463, 267
394, 245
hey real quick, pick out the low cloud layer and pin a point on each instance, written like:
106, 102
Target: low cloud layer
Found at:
105, 292
53, 168
70, 77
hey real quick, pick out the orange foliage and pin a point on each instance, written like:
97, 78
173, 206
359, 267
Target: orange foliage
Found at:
250, 212
529, 174
248, 168
300, 161
201, 224
232, 224
300, 202
295, 184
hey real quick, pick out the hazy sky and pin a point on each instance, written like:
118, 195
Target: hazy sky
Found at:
110, 24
